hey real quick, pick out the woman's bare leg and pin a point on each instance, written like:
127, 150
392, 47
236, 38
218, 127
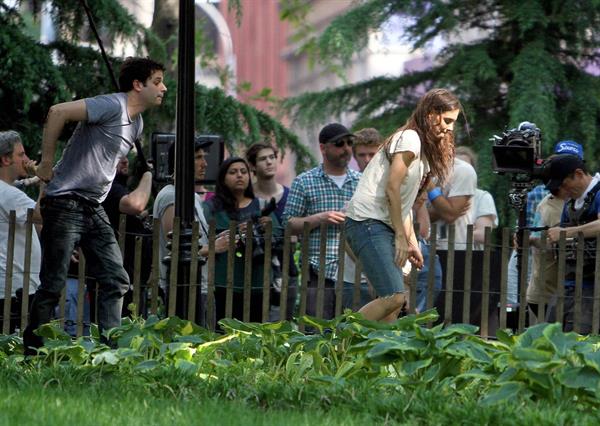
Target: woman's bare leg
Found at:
383, 308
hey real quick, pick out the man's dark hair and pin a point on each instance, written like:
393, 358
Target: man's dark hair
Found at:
137, 69
255, 148
197, 147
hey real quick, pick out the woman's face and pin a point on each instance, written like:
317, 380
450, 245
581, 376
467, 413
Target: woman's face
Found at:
237, 177
444, 123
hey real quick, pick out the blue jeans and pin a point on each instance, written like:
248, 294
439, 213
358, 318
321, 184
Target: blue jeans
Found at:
372, 242
423, 278
348, 295
71, 309
70, 222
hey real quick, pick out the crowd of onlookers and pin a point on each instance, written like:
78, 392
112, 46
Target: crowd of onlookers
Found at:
247, 190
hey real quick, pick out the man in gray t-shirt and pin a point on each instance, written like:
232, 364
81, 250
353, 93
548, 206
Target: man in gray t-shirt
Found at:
72, 214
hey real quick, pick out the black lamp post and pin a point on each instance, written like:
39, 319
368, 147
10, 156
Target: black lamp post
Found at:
184, 148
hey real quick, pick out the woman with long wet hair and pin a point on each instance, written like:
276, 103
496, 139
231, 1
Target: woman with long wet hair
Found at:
378, 223
234, 200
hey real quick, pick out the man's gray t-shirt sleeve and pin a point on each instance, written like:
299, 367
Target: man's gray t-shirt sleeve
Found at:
102, 109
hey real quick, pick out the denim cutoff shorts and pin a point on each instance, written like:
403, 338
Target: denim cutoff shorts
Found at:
372, 241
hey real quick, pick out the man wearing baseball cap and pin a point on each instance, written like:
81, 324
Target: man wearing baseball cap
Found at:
534, 198
164, 209
319, 196
581, 214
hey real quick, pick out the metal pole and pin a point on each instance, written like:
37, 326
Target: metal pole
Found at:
184, 148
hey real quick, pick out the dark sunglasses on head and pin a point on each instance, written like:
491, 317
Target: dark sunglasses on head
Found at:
340, 143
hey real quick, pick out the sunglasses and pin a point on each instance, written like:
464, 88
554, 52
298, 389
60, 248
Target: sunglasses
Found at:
340, 143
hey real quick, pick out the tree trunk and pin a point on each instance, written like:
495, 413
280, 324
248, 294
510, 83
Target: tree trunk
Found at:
165, 24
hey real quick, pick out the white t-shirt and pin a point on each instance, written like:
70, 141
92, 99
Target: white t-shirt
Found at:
339, 180
484, 205
13, 199
369, 200
463, 181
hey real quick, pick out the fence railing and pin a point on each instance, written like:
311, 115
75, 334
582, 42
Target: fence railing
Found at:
474, 283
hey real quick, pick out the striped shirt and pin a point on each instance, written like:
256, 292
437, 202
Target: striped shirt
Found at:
314, 192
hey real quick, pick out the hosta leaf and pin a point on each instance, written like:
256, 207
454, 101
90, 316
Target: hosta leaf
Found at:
580, 378
531, 335
389, 348
147, 365
560, 341
318, 323
592, 359
192, 338
107, 357
457, 329
187, 329
345, 368
410, 368
504, 393
52, 331
476, 373
186, 366
431, 373
469, 349
506, 336
529, 354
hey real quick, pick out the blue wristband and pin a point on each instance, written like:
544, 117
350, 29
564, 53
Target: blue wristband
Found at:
433, 194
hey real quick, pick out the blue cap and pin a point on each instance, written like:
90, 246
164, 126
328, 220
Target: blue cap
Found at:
569, 147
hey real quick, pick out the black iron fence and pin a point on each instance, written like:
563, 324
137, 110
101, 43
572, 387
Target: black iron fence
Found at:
474, 284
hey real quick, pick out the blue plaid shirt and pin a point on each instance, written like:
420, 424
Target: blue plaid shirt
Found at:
534, 197
315, 192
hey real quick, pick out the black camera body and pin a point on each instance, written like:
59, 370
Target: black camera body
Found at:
258, 231
519, 152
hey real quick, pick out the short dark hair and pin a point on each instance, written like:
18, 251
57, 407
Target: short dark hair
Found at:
197, 147
255, 148
137, 69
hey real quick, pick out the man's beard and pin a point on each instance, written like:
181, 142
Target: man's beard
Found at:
340, 161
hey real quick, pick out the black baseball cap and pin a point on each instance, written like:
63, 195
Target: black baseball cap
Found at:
561, 166
333, 132
201, 144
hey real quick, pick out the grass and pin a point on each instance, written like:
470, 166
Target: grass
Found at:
63, 396
114, 402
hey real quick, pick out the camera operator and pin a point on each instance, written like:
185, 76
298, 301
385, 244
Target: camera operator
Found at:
581, 214
534, 198
234, 200
164, 209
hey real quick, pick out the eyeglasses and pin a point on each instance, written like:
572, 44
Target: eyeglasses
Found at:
340, 143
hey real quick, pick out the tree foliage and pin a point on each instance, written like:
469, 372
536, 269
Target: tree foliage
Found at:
34, 76
527, 62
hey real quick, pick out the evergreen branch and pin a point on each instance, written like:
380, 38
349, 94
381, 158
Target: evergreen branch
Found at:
363, 98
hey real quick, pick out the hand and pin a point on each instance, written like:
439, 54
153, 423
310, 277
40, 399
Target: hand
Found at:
401, 251
332, 217
44, 171
263, 220
222, 242
30, 167
465, 208
415, 257
554, 234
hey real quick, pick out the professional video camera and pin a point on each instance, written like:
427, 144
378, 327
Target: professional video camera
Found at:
519, 151
258, 231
